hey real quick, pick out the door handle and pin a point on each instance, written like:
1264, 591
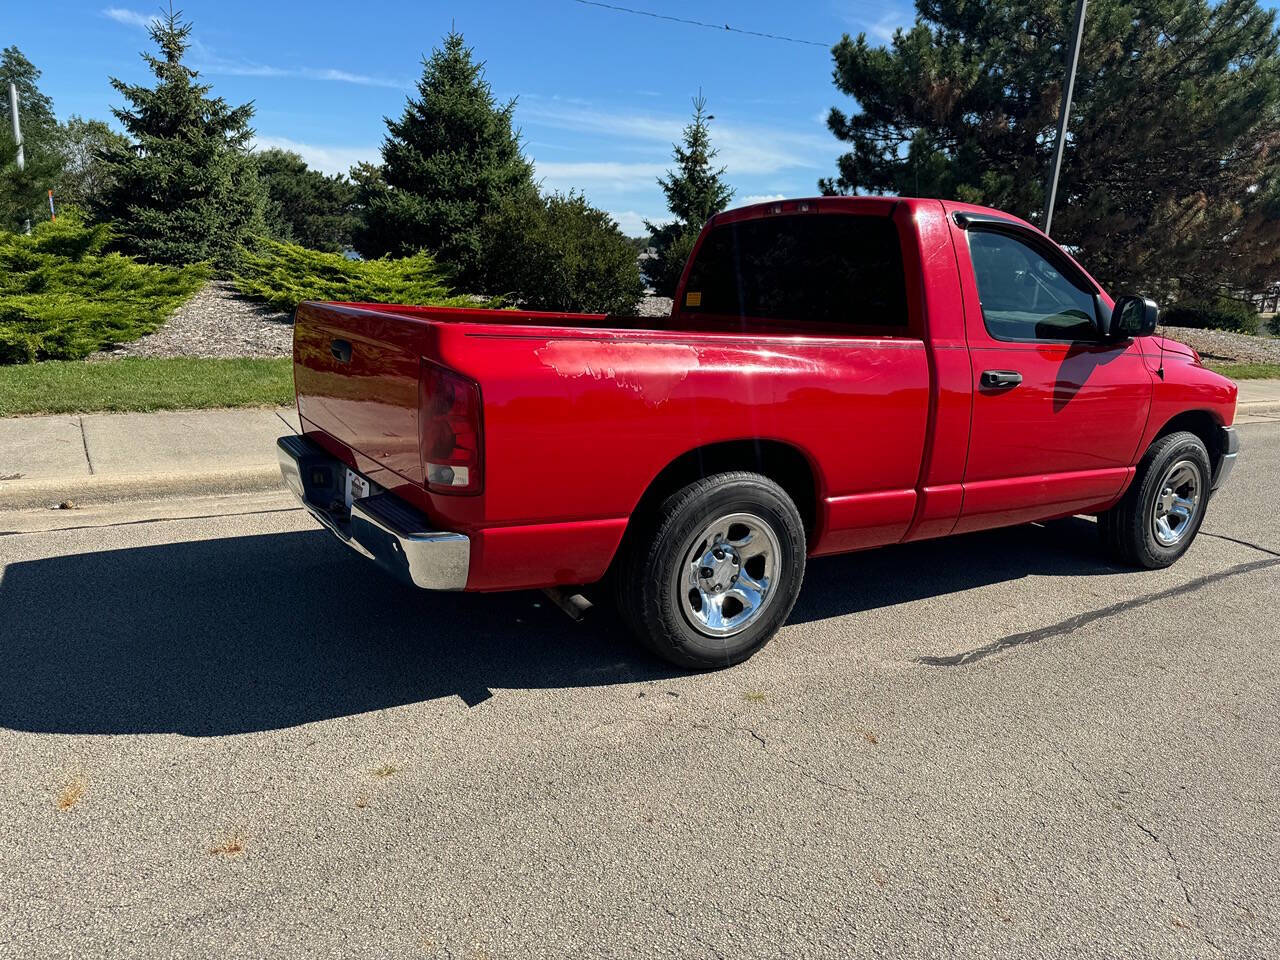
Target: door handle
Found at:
341, 351
1000, 379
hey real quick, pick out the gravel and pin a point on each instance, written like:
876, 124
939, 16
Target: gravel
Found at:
219, 322
654, 307
216, 322
1224, 346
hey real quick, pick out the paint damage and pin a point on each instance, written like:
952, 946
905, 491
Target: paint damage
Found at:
650, 370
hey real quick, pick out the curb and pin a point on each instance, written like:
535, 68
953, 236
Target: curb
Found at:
49, 492
1258, 408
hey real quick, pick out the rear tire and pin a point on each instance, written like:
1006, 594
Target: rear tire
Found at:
1160, 514
712, 574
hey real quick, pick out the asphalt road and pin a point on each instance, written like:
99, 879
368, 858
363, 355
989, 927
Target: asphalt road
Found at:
229, 737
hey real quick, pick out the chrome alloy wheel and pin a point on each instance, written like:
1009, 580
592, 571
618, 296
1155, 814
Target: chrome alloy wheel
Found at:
728, 573
1176, 503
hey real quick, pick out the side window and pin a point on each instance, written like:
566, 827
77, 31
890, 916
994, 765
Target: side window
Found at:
1023, 295
828, 268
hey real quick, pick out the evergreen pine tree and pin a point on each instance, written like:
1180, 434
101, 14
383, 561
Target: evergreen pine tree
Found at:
695, 193
451, 164
185, 189
1171, 175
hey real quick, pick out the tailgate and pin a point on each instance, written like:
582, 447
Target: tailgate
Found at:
356, 372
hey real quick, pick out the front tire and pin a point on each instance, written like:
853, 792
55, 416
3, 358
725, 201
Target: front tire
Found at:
1160, 514
712, 575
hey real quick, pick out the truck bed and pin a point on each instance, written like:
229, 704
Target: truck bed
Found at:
582, 411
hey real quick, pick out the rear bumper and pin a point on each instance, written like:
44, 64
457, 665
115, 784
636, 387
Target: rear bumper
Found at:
1229, 444
382, 527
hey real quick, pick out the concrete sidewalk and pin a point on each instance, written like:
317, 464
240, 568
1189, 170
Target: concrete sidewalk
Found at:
98, 457
1259, 400
103, 457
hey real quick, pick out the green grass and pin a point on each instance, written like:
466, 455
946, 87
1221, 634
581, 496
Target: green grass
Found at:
1247, 371
143, 384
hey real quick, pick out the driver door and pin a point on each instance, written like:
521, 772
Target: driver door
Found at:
1058, 412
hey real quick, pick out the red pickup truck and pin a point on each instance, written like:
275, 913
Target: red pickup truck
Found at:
836, 374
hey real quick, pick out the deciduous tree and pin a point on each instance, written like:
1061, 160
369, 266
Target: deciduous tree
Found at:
84, 177
23, 194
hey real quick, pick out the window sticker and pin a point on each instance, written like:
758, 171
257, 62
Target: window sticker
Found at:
693, 298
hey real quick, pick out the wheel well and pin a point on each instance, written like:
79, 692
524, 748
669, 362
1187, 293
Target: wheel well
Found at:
780, 462
1203, 424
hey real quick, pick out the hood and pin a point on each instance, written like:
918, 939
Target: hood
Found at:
1172, 346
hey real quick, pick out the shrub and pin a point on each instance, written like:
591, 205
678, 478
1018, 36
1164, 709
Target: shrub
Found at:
1221, 314
664, 268
62, 297
567, 255
284, 274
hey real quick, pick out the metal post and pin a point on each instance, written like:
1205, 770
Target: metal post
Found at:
1073, 59
17, 134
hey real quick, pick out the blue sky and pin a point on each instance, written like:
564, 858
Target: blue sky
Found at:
601, 94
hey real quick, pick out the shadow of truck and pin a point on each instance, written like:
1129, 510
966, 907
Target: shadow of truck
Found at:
216, 637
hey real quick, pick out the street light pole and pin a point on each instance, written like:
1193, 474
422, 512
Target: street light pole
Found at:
1073, 59
17, 133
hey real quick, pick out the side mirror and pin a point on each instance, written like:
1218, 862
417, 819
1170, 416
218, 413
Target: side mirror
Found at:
1133, 316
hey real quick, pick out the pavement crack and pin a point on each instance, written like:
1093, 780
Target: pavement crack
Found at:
804, 771
134, 523
756, 735
1182, 881
1072, 624
1244, 543
810, 775
1151, 835
85, 443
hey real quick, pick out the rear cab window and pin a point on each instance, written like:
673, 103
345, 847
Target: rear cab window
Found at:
842, 273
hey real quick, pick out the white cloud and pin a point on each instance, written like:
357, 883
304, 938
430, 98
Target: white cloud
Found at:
244, 68
130, 18
326, 159
743, 149
600, 175
632, 223
883, 27
584, 118
205, 60
759, 198
344, 76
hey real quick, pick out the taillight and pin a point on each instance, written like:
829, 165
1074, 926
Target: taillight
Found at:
450, 430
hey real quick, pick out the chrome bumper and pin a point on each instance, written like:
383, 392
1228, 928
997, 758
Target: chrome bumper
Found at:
382, 527
1230, 446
